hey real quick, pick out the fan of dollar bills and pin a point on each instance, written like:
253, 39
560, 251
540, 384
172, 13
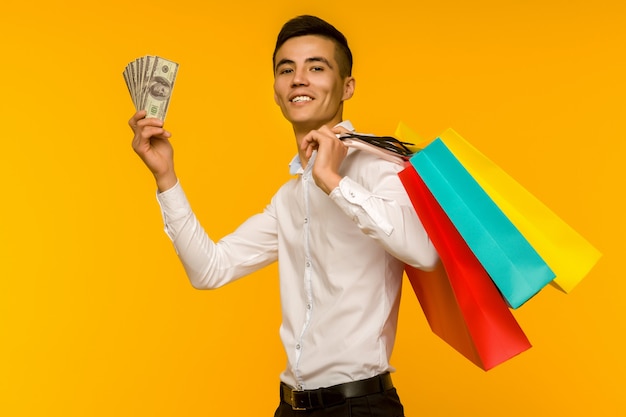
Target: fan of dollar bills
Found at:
150, 81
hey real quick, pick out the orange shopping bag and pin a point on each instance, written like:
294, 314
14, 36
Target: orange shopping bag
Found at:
460, 301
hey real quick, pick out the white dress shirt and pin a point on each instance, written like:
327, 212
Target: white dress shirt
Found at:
340, 256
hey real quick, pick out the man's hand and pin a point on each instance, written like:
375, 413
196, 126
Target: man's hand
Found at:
151, 143
330, 154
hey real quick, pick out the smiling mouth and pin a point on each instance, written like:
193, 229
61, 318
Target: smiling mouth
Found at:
300, 99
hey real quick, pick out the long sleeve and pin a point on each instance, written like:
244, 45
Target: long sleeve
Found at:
210, 264
377, 202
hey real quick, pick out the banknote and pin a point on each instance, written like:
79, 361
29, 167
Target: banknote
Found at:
150, 82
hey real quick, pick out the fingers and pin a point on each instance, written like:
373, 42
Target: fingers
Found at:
140, 121
330, 155
146, 138
340, 130
315, 138
147, 127
148, 132
145, 134
309, 144
132, 122
331, 150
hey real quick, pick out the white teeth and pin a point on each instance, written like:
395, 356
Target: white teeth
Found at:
300, 98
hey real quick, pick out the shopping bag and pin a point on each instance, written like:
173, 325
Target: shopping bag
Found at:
461, 303
512, 263
569, 255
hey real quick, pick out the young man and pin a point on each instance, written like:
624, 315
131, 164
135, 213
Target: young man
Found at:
342, 231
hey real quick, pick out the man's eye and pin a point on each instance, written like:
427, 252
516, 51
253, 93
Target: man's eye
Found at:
285, 71
317, 68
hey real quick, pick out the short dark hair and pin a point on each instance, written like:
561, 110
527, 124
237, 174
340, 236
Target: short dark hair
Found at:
312, 25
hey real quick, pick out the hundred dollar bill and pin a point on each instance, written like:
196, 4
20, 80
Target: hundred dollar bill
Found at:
129, 77
145, 70
150, 81
158, 86
128, 83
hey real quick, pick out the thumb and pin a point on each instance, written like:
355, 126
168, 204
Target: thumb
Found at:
340, 130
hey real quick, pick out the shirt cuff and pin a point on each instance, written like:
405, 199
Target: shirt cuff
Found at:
174, 206
352, 197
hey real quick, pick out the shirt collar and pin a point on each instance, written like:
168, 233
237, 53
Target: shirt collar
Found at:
295, 166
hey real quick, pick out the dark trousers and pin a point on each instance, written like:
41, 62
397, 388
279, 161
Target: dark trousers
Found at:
383, 404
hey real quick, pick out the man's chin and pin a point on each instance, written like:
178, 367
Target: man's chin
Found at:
302, 119
306, 124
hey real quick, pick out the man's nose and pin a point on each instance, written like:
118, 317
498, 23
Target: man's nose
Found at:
299, 78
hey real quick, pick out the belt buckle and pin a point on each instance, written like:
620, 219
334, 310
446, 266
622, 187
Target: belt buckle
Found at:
294, 403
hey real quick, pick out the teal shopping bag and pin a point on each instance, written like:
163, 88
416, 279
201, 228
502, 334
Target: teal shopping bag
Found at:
513, 264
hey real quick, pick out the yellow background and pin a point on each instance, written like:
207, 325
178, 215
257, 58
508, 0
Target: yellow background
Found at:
96, 315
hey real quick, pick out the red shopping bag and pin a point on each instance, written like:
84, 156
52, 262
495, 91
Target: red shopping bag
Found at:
461, 303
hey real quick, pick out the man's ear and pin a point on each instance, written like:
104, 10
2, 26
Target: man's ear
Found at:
348, 88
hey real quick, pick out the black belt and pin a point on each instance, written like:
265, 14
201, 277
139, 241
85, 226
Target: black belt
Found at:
337, 394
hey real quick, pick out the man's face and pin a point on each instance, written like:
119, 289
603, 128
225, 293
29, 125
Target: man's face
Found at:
307, 84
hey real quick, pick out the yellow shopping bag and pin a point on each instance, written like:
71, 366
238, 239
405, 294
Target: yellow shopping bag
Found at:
568, 254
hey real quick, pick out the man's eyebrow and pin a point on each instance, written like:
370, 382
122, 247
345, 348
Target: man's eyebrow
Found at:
319, 59
286, 61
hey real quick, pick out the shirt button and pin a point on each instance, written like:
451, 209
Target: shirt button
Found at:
306, 219
308, 306
298, 346
308, 264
